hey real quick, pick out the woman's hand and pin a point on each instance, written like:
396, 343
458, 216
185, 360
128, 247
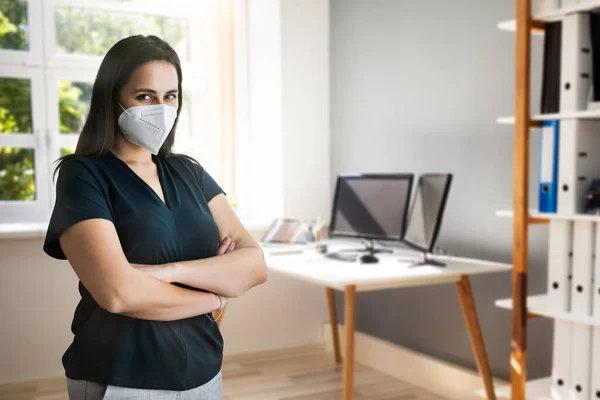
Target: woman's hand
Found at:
227, 246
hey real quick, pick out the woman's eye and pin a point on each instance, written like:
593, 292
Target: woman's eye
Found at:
143, 97
171, 96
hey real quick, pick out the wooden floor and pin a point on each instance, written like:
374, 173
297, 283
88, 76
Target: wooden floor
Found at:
306, 375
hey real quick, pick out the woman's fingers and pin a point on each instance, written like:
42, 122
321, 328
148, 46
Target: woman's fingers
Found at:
224, 246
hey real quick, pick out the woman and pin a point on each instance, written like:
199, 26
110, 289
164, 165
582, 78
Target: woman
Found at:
132, 218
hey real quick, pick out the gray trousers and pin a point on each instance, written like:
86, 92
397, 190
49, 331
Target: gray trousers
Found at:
85, 390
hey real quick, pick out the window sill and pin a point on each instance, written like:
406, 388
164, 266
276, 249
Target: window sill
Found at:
34, 230
37, 230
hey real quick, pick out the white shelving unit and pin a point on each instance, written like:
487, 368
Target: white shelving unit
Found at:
578, 229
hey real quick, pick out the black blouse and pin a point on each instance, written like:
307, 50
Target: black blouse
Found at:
114, 349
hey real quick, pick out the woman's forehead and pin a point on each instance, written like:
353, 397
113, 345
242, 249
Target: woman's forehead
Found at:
156, 75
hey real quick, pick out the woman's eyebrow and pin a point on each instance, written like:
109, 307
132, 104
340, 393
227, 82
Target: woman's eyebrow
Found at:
145, 90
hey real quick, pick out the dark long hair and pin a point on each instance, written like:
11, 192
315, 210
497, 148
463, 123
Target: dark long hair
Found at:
100, 131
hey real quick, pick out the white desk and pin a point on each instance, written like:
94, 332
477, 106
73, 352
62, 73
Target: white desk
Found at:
389, 273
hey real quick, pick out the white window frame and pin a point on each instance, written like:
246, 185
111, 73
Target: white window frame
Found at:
148, 7
18, 211
56, 140
33, 56
45, 68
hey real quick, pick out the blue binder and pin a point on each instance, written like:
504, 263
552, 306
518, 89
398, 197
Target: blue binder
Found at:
548, 189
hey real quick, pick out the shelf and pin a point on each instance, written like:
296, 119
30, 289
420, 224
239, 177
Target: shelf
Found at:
583, 114
558, 14
511, 26
551, 16
563, 217
537, 304
538, 389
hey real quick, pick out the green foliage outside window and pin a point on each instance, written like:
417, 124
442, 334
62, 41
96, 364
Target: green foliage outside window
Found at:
78, 31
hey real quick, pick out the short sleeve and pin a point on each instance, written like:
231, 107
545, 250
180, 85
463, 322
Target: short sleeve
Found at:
209, 187
79, 197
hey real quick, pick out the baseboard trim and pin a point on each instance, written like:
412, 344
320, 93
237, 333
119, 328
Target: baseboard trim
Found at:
448, 380
276, 353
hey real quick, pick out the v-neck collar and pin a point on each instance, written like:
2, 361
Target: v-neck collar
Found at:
161, 180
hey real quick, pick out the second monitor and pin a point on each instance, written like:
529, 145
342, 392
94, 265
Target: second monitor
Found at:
426, 215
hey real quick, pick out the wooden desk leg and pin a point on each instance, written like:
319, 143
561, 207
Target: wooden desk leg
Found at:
334, 324
349, 324
467, 303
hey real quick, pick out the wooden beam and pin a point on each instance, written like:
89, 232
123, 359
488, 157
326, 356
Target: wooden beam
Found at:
534, 316
537, 221
538, 27
535, 124
518, 358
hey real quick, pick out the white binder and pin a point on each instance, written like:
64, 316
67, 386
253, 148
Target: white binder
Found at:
576, 62
596, 281
570, 3
545, 6
581, 362
595, 379
561, 360
583, 266
577, 165
560, 248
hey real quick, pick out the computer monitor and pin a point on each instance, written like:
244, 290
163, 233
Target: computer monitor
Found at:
427, 211
371, 206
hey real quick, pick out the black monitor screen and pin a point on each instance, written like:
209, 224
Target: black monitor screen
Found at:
371, 206
428, 208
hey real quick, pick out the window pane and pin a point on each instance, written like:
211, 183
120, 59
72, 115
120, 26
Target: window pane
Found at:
15, 105
65, 151
93, 32
17, 178
73, 105
184, 125
13, 25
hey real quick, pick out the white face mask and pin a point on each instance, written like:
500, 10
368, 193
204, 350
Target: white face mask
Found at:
148, 126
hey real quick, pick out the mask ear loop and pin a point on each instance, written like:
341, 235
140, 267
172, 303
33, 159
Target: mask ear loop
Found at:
123, 108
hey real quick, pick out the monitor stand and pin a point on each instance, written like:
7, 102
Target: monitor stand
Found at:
425, 261
368, 258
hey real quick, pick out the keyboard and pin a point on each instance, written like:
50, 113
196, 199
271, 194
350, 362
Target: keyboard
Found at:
341, 256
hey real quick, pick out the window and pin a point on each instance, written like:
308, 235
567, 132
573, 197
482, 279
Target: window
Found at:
50, 51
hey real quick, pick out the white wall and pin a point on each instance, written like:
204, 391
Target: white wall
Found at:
38, 296
263, 172
305, 108
417, 86
288, 116
289, 168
